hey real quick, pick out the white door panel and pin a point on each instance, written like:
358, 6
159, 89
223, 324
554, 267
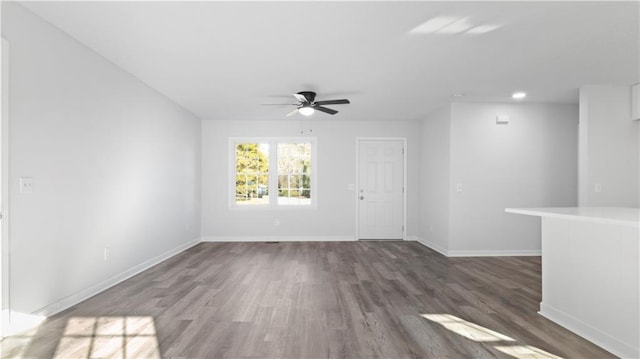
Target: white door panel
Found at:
380, 189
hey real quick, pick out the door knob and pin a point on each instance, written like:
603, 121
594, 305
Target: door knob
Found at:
361, 197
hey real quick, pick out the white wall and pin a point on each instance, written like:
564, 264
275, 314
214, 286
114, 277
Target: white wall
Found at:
335, 217
434, 180
115, 165
608, 147
531, 162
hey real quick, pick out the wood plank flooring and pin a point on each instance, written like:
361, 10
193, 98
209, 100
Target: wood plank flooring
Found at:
313, 300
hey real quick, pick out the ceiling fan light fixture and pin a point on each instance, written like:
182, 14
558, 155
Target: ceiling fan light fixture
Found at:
306, 110
307, 104
519, 95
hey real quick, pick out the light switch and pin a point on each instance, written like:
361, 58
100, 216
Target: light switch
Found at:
459, 187
635, 102
598, 187
26, 185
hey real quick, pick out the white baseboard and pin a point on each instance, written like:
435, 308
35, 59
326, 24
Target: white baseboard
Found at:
106, 284
436, 247
495, 253
278, 239
477, 253
588, 332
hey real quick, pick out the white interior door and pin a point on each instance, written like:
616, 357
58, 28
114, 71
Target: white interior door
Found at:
380, 189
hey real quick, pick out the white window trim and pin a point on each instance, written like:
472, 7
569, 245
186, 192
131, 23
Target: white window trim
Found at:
273, 169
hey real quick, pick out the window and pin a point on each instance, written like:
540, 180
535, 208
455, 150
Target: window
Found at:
252, 173
294, 173
269, 173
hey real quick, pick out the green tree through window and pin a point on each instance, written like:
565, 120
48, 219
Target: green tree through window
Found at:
252, 173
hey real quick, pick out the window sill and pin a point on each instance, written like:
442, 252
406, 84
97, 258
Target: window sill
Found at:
270, 208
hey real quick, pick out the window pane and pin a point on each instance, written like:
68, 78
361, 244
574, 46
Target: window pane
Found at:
252, 173
306, 186
294, 181
294, 173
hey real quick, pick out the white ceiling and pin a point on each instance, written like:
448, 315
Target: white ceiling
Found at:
222, 60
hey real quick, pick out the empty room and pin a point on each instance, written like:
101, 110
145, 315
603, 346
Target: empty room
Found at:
306, 179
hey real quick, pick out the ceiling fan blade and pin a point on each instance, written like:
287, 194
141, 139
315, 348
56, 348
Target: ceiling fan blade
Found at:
333, 102
278, 104
325, 110
300, 98
292, 112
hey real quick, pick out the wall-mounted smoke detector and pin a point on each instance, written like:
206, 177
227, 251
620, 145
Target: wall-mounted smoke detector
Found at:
502, 120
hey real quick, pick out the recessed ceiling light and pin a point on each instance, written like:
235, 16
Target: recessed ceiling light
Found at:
458, 94
518, 95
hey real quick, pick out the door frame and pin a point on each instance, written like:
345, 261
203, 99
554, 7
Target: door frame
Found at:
404, 181
5, 305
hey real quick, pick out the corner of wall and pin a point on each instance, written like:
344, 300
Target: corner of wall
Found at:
435, 174
434, 246
609, 158
583, 134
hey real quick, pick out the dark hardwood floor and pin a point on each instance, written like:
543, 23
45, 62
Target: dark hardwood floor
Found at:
313, 300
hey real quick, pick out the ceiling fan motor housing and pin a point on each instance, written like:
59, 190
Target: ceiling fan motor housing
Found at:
309, 95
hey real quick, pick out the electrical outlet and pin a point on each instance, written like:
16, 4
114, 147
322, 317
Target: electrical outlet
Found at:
26, 185
459, 187
598, 187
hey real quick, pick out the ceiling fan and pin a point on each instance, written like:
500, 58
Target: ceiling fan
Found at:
307, 104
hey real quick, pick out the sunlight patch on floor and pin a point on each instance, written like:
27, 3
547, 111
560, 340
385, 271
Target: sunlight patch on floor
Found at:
18, 333
23, 324
109, 337
467, 329
14, 347
479, 333
526, 352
